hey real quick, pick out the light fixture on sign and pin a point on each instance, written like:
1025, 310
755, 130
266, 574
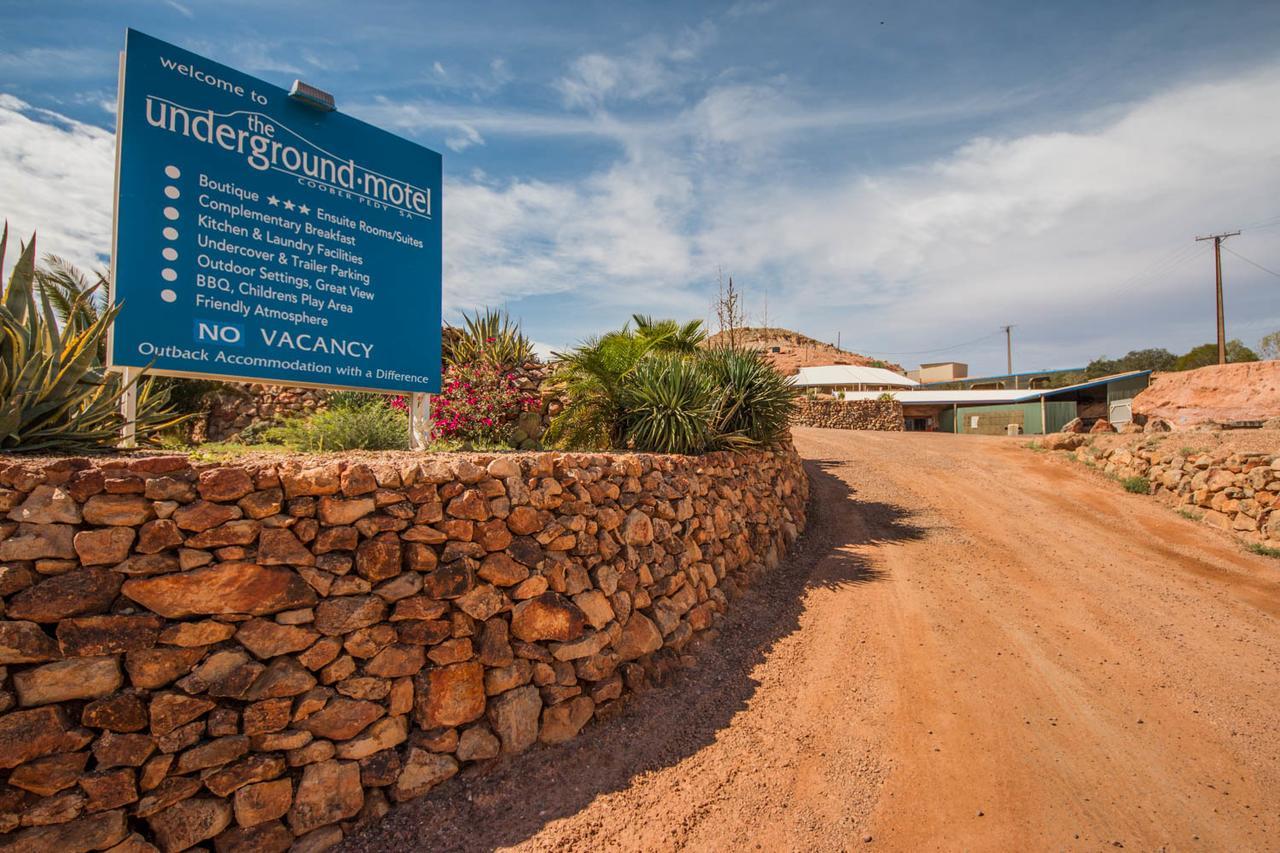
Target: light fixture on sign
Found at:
312, 97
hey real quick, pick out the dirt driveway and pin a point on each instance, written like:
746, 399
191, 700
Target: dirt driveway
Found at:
977, 648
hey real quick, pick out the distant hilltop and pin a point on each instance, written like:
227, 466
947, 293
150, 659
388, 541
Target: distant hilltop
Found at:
789, 351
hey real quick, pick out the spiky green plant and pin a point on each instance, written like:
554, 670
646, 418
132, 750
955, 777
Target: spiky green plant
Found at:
593, 380
489, 336
361, 426
755, 401
668, 406
670, 336
54, 391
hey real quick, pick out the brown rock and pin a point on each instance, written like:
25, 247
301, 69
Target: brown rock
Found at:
86, 636
342, 719
189, 822
15, 578
157, 535
382, 734
118, 510
637, 528
63, 681
284, 676
25, 642
266, 639
221, 588
215, 753
202, 515
122, 750
493, 535
336, 511
419, 607
47, 505
320, 480
380, 769
449, 581
358, 480
563, 722
482, 602
59, 808
39, 542
262, 504
639, 638
499, 569
350, 613
278, 546
419, 557
175, 789
47, 776
225, 484
242, 531
452, 651
379, 558
168, 711
109, 789
169, 489
93, 832
268, 837
103, 547
336, 539
269, 715
449, 695
123, 712
147, 564
523, 521
154, 772
329, 792
478, 744
264, 801
321, 654
396, 661
422, 771
255, 768
547, 617
595, 606
153, 668
194, 634
72, 594
514, 718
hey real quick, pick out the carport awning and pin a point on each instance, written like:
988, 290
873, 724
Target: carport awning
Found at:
990, 397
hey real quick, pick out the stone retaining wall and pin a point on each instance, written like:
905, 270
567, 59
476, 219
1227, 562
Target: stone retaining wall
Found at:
1232, 489
265, 655
885, 415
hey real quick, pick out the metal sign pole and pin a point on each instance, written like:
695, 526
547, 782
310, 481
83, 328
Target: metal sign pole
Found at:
129, 407
419, 421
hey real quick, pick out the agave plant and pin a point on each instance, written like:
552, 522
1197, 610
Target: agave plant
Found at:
54, 391
593, 380
755, 400
491, 337
668, 405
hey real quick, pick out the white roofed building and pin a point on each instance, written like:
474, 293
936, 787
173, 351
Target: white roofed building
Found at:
839, 379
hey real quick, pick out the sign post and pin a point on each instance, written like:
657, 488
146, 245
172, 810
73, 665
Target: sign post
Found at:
260, 238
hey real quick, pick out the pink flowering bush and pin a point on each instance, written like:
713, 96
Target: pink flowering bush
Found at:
480, 403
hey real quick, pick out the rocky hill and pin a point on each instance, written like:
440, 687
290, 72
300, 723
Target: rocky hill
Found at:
794, 350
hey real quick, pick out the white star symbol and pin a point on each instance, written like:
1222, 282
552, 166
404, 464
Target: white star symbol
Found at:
302, 208
288, 205
272, 200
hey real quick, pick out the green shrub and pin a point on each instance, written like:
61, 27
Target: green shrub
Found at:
368, 426
668, 406
755, 401
1137, 485
1263, 551
351, 399
55, 393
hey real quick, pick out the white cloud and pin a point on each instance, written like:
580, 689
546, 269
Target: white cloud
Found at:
464, 138
58, 176
651, 69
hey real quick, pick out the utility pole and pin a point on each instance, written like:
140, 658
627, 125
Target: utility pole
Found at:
1217, 265
1008, 348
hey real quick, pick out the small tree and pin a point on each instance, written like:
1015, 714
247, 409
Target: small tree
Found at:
730, 316
1269, 347
1207, 354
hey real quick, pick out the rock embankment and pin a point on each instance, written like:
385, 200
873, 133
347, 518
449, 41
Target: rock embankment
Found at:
850, 414
1219, 394
266, 655
1230, 488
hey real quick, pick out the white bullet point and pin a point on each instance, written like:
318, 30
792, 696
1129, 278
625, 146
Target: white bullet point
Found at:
170, 233
172, 192
168, 295
170, 253
172, 172
171, 213
168, 274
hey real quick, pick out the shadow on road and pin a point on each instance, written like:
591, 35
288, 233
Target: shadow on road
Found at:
511, 799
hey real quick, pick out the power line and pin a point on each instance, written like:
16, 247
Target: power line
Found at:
1254, 263
1217, 266
939, 349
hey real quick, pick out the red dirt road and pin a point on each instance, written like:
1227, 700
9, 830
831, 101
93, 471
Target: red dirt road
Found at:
976, 648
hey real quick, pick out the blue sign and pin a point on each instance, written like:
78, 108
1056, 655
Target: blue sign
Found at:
258, 238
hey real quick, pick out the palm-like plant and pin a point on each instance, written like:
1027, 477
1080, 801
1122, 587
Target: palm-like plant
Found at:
54, 391
670, 336
593, 379
490, 337
668, 406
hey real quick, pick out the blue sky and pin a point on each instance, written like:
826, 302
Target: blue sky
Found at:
909, 176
